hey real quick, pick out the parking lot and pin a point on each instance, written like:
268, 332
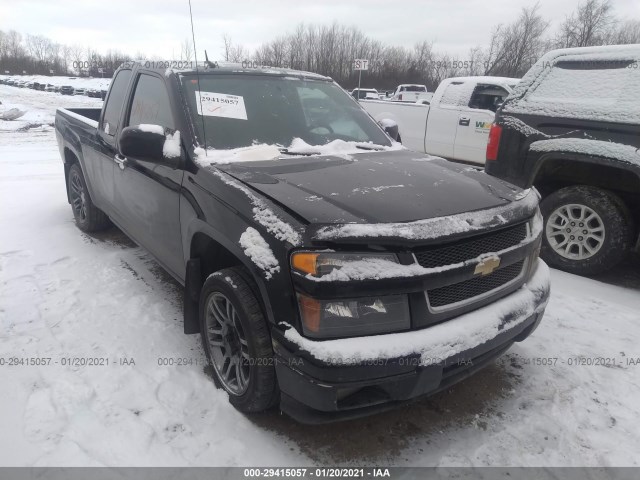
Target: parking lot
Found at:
567, 396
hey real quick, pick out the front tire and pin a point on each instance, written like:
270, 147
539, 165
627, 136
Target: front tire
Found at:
587, 230
237, 341
88, 217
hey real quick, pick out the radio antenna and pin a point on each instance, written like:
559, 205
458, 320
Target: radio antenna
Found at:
195, 55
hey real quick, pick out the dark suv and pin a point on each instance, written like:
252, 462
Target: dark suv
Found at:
570, 129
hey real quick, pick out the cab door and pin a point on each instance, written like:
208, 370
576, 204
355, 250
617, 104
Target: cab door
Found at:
99, 162
442, 123
147, 194
474, 123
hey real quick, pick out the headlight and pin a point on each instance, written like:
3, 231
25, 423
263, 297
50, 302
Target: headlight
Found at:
318, 264
353, 316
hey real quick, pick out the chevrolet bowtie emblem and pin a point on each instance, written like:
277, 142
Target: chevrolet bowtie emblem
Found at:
487, 266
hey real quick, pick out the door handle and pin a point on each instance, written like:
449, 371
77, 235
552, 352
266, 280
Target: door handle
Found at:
464, 121
120, 160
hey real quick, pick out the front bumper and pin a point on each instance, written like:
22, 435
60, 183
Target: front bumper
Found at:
347, 378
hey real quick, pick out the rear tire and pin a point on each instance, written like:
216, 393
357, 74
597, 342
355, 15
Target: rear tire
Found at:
237, 341
89, 218
587, 230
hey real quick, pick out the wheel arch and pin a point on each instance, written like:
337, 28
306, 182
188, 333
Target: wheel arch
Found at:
558, 170
209, 252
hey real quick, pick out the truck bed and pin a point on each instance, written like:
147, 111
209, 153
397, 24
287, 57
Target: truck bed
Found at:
88, 115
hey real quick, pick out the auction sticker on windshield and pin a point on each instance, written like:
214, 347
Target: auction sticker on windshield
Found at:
212, 104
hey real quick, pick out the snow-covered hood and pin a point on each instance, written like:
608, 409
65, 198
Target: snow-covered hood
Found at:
374, 187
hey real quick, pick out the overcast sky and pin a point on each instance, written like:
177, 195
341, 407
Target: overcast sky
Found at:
157, 27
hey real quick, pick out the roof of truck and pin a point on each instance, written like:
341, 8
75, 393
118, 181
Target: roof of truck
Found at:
488, 79
225, 68
632, 50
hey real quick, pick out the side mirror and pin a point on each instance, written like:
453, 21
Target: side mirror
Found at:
390, 127
149, 142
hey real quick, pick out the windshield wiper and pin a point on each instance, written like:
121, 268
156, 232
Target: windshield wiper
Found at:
377, 148
286, 151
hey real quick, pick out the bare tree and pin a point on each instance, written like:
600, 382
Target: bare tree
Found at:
515, 47
77, 57
186, 50
626, 33
232, 53
14, 44
589, 25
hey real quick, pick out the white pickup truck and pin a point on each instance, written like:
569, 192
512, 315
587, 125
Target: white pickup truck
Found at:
409, 93
455, 124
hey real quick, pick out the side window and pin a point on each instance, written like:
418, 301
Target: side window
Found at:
114, 103
151, 103
487, 97
454, 94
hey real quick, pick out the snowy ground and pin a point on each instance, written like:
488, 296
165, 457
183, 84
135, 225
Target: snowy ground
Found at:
40, 107
66, 294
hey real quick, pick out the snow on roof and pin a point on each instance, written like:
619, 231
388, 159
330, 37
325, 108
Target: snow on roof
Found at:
604, 94
616, 151
439, 342
488, 79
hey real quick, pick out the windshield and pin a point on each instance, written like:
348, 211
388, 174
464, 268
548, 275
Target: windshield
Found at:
244, 110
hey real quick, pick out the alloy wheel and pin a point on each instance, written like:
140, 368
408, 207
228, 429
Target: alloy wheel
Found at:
575, 231
78, 197
227, 344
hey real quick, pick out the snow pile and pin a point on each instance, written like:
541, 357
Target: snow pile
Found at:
337, 147
262, 213
386, 122
616, 151
257, 249
11, 114
150, 128
439, 227
380, 268
442, 341
375, 189
264, 152
171, 147
253, 153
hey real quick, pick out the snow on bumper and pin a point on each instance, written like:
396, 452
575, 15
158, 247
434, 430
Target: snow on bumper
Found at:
441, 341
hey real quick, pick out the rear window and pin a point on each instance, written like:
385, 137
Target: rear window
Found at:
605, 90
413, 88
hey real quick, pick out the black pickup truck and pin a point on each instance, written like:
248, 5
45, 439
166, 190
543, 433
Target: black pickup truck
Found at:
328, 269
571, 128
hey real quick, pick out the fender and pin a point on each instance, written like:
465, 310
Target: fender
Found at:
543, 159
193, 278
71, 141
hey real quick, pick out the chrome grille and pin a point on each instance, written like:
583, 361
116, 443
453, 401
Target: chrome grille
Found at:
474, 287
471, 248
